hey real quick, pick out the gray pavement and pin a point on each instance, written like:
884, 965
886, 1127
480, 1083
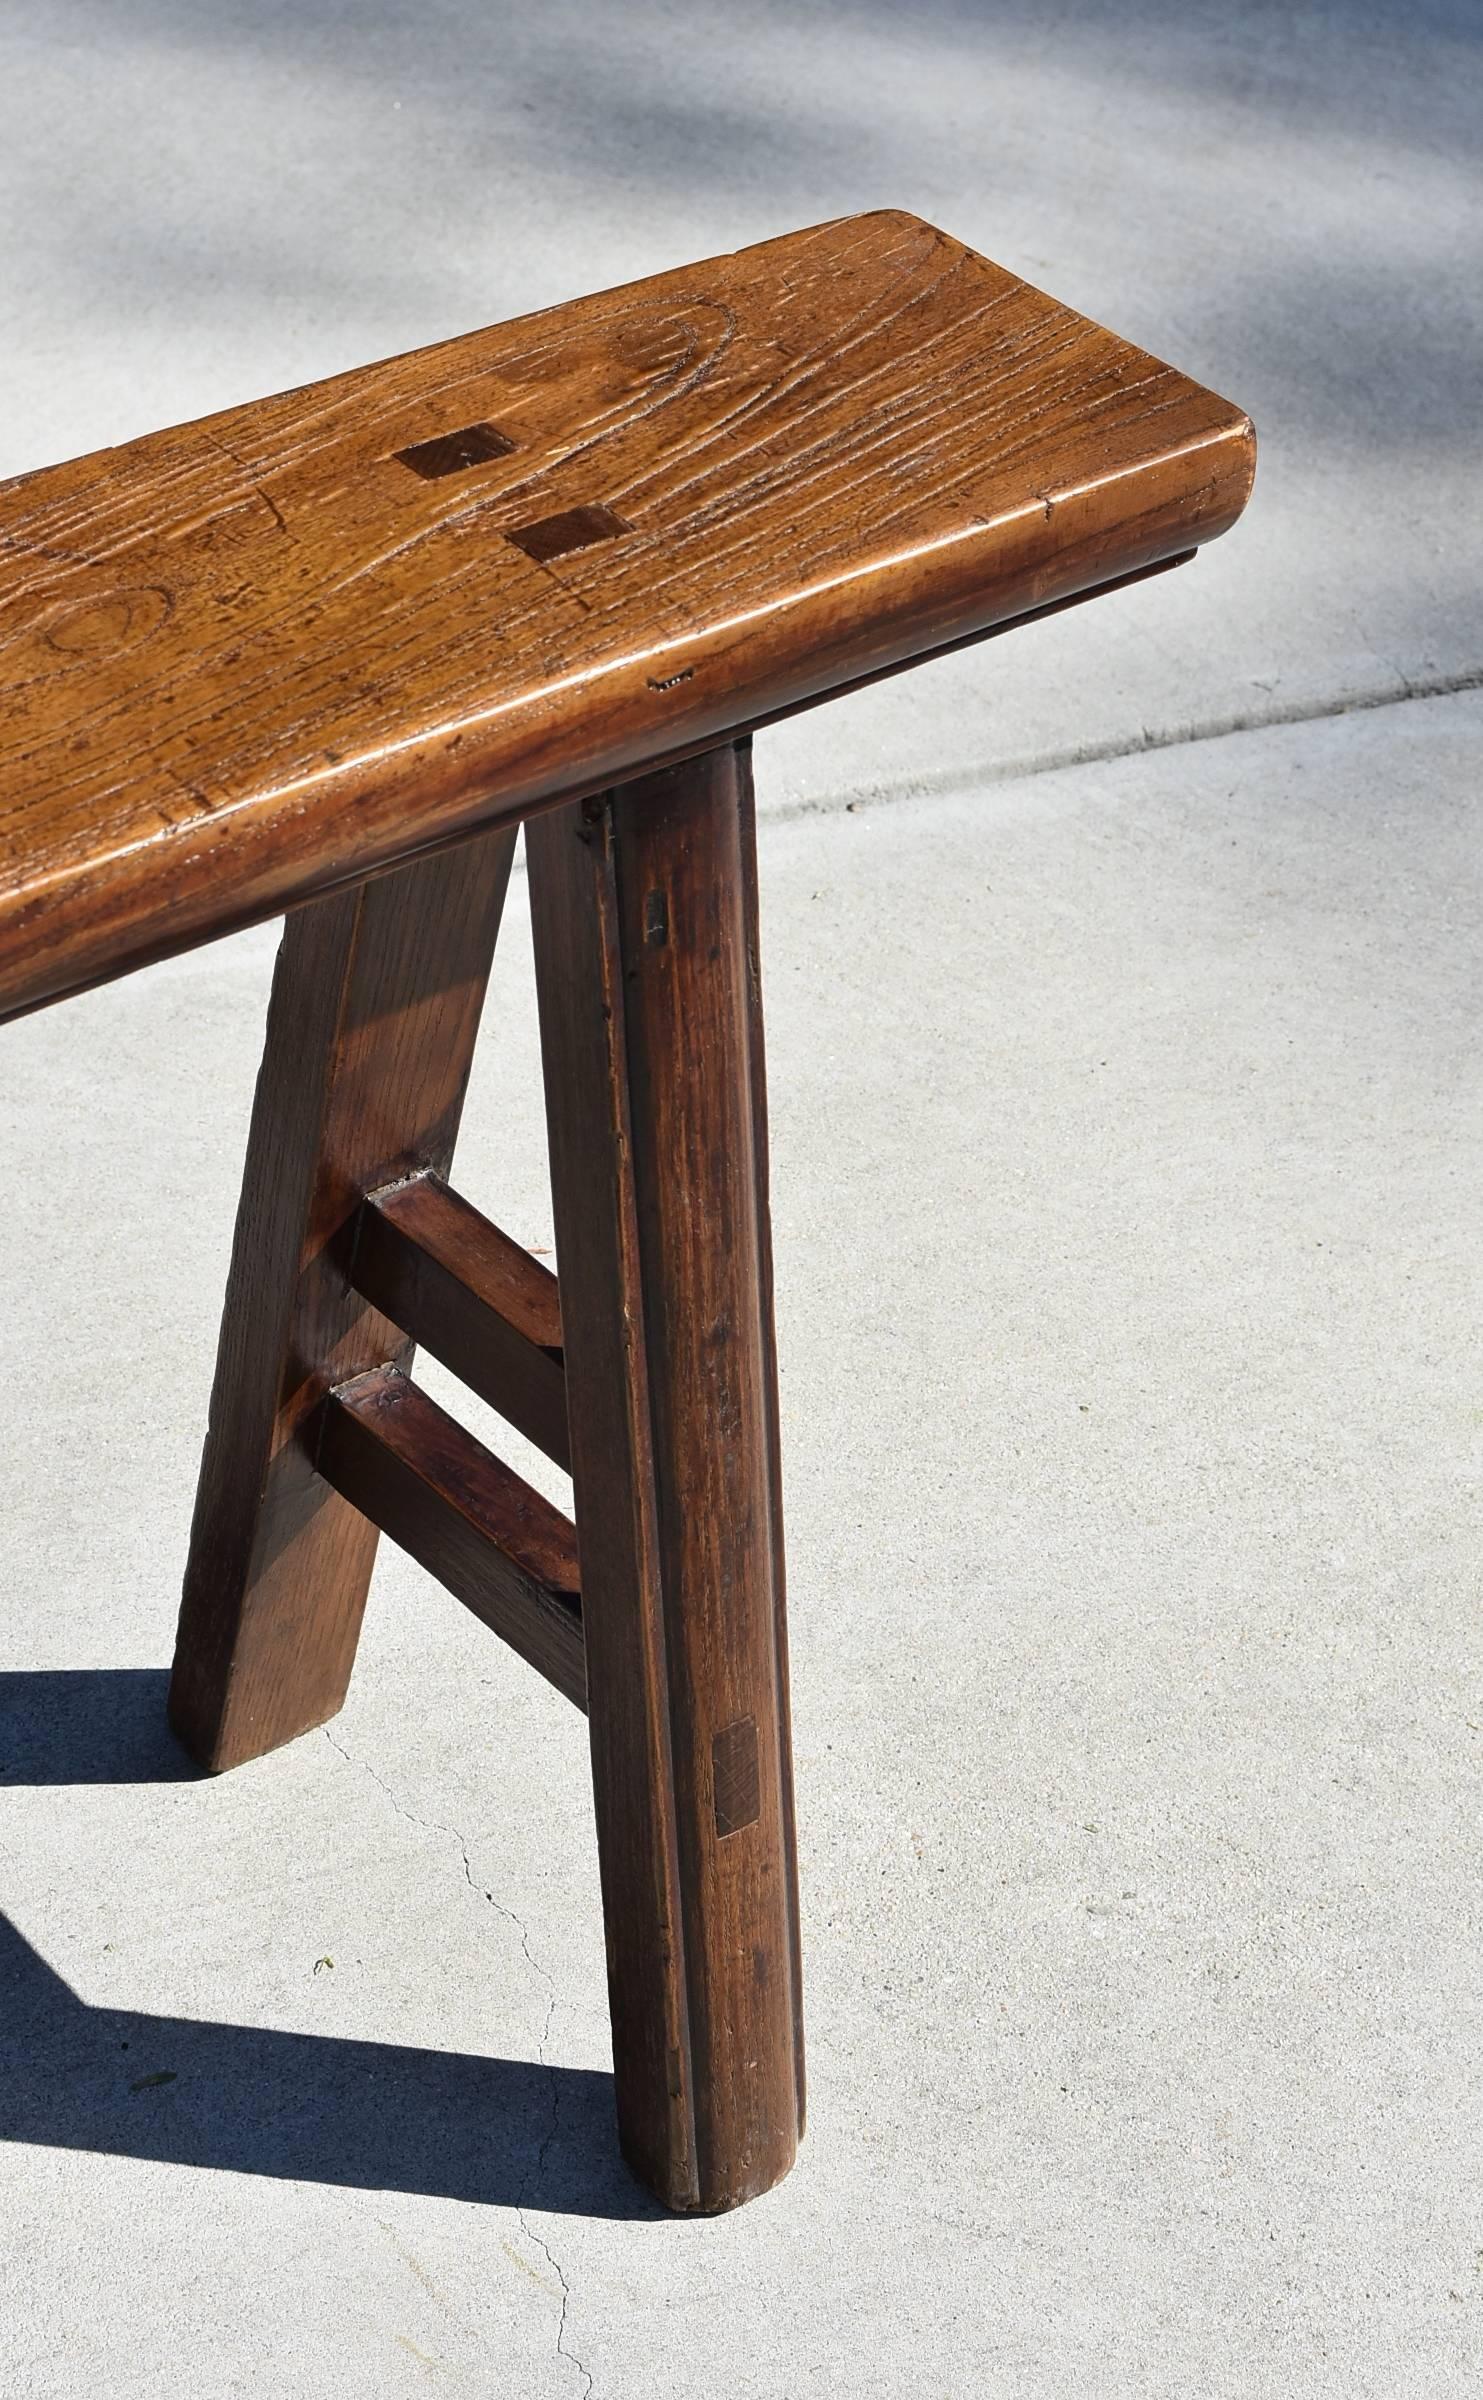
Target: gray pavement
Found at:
1128, 1128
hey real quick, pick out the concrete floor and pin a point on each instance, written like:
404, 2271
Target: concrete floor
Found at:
1128, 1126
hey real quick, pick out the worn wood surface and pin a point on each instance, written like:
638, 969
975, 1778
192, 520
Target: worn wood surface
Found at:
473, 1297
643, 906
371, 1026
251, 659
496, 1544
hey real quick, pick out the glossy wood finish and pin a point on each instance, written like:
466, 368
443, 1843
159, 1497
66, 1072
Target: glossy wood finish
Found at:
375, 1006
496, 1544
473, 1297
253, 659
644, 913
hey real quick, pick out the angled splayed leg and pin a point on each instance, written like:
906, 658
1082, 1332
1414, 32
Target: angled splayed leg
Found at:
376, 1002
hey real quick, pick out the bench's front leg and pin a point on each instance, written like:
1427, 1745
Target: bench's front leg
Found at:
644, 906
371, 1026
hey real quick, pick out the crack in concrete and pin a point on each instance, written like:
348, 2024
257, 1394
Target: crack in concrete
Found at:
538, 2240
531, 2185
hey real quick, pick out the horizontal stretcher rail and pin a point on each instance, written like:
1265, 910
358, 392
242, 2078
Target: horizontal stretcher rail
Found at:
483, 1306
471, 1521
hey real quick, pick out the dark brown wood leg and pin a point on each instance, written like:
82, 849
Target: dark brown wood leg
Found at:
645, 922
371, 1027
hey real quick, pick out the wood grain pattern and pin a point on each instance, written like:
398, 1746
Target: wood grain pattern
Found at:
473, 1297
376, 1002
253, 659
646, 957
475, 1524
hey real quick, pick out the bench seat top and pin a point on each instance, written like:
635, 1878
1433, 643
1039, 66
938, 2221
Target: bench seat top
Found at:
254, 658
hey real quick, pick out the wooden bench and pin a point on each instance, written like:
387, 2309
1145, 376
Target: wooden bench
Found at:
325, 654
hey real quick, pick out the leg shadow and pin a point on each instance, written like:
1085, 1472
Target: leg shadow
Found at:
89, 1725
375, 2116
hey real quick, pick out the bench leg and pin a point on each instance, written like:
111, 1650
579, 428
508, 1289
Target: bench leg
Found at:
644, 906
375, 1005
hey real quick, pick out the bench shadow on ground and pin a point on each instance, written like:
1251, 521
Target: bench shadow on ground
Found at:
311, 2108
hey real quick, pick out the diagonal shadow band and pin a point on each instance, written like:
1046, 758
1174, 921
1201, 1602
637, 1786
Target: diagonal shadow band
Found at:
376, 2116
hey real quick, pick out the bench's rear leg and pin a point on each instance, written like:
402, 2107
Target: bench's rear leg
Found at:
371, 1026
646, 961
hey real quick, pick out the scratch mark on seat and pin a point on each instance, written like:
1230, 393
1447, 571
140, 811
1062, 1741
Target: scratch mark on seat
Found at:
259, 489
271, 504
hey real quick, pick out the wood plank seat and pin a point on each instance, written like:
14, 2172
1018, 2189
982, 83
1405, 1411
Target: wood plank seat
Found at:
251, 659
327, 654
